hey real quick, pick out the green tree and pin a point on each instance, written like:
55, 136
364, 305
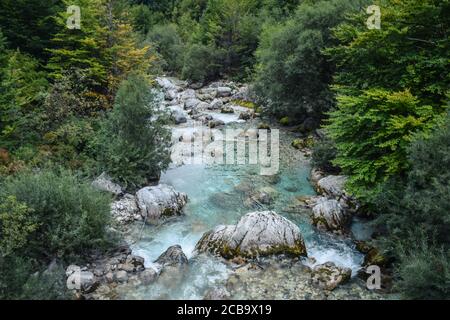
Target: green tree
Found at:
415, 214
391, 84
134, 145
293, 74
29, 26
22, 93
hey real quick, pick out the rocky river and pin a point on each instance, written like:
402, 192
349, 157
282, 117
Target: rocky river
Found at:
215, 231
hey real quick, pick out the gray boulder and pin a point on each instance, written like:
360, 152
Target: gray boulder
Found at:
172, 257
328, 276
256, 234
125, 210
179, 117
160, 201
328, 214
216, 104
191, 103
332, 186
105, 183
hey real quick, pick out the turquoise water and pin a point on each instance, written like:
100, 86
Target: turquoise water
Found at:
217, 195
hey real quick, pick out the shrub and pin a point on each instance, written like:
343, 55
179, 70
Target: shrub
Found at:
424, 271
68, 217
134, 144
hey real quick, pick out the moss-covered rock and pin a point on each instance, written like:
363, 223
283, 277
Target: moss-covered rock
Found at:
256, 234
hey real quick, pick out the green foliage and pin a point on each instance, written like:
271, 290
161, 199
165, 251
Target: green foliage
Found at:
415, 214
372, 132
134, 145
22, 91
424, 271
28, 25
71, 216
81, 49
292, 74
390, 85
16, 225
324, 153
169, 45
201, 63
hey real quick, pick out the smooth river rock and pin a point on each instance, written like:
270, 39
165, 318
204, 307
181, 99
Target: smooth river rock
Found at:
260, 233
160, 201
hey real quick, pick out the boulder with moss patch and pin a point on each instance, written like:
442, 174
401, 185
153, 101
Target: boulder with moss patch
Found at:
256, 234
160, 201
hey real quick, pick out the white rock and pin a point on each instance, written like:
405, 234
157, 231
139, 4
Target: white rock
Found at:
256, 234
160, 201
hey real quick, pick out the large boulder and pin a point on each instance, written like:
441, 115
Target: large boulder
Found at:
81, 280
166, 83
328, 214
332, 186
172, 257
191, 103
125, 210
256, 234
160, 201
105, 183
328, 276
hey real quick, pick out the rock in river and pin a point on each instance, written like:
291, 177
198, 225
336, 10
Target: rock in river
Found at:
173, 256
328, 276
260, 233
160, 201
329, 215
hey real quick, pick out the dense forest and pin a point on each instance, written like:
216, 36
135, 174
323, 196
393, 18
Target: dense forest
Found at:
75, 102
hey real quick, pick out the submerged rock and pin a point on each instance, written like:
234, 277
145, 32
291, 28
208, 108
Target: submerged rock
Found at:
328, 276
160, 201
256, 234
104, 183
217, 293
329, 215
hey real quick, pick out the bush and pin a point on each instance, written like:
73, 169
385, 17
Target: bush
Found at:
134, 144
424, 271
169, 45
68, 217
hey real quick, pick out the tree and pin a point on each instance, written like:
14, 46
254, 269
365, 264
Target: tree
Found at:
134, 145
21, 96
293, 75
372, 132
29, 26
82, 49
415, 214
391, 84
169, 45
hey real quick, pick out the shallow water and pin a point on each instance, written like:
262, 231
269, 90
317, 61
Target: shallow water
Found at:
216, 197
